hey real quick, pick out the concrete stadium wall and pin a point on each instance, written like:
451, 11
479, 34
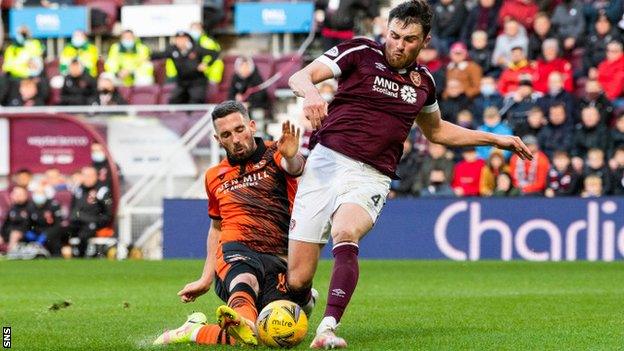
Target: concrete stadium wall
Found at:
539, 229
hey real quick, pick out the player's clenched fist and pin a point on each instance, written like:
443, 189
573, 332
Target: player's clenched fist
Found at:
193, 290
315, 109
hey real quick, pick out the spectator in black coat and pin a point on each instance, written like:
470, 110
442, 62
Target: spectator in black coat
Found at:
454, 101
558, 96
17, 222
107, 93
617, 167
597, 166
482, 17
617, 135
46, 219
91, 209
407, 170
542, 30
534, 123
79, 88
596, 43
488, 97
481, 53
244, 82
191, 83
589, 134
447, 23
557, 135
595, 97
517, 105
23, 92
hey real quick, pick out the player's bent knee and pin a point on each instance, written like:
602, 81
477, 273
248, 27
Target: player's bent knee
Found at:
246, 279
346, 235
299, 281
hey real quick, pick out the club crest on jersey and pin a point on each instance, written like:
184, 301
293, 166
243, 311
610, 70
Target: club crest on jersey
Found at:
260, 164
333, 52
415, 77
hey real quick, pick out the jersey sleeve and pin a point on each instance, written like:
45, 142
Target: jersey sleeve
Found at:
431, 104
344, 56
213, 202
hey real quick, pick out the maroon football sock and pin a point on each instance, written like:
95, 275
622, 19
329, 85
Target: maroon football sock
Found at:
344, 279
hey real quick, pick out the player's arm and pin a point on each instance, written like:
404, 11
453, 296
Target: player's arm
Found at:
195, 289
302, 84
443, 132
292, 160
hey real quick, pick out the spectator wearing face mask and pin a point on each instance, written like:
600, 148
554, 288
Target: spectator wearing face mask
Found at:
214, 67
18, 56
79, 48
99, 161
46, 218
129, 60
107, 94
438, 185
492, 123
488, 97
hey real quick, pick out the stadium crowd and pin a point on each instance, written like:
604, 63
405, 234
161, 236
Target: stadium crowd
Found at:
56, 214
550, 71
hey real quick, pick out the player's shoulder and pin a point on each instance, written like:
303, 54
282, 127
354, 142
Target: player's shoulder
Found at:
217, 171
425, 73
356, 44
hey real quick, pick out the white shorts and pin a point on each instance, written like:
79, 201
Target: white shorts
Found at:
329, 180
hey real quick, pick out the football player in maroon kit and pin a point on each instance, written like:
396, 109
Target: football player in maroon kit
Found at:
359, 139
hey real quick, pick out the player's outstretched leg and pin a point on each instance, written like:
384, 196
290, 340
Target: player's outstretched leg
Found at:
240, 328
351, 222
239, 316
183, 334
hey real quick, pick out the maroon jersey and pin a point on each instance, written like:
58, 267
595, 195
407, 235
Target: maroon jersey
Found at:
375, 106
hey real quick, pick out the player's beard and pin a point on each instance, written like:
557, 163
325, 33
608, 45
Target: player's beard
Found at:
404, 60
241, 151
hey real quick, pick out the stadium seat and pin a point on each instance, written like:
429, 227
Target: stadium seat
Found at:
264, 65
160, 75
125, 92
108, 7
214, 95
165, 93
55, 96
288, 65
228, 72
145, 95
52, 68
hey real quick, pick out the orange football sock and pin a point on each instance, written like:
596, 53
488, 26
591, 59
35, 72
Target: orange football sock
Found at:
212, 334
243, 303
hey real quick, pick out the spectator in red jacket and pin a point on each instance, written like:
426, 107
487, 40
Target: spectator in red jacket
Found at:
518, 69
530, 176
551, 62
467, 173
611, 71
523, 11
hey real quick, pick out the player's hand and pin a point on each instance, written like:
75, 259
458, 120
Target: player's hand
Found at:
193, 290
513, 144
315, 109
288, 145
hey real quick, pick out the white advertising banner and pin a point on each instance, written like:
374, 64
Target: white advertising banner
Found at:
141, 145
4, 146
159, 20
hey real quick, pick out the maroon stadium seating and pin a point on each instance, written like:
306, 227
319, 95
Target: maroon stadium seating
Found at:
165, 93
160, 75
145, 95
125, 92
288, 64
52, 68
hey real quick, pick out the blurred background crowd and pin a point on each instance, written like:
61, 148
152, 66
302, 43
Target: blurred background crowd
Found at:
550, 71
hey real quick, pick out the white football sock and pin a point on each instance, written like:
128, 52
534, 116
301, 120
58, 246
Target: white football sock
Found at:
327, 323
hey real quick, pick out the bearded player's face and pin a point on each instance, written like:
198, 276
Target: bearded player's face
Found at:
236, 134
403, 43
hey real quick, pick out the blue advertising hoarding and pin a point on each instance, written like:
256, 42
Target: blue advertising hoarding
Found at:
537, 229
273, 17
49, 23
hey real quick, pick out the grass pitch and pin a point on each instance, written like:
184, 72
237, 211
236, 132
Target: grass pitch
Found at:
399, 305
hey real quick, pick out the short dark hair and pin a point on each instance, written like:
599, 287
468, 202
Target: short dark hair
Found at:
413, 12
228, 107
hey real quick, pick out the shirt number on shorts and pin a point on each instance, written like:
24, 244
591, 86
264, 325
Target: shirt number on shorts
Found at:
376, 199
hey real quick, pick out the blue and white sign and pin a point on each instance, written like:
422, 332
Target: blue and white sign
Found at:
49, 23
273, 17
534, 229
